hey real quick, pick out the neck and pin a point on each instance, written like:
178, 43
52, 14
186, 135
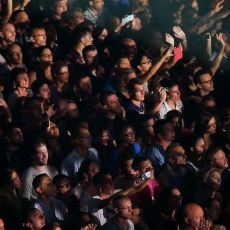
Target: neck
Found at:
22, 91
79, 47
122, 222
110, 115
53, 141
39, 168
12, 65
171, 103
46, 200
83, 152
176, 168
44, 66
4, 45
137, 103
21, 31
203, 93
12, 147
59, 85
164, 143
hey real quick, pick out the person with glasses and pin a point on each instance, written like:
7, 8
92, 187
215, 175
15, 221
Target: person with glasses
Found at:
82, 150
175, 171
43, 70
11, 206
167, 209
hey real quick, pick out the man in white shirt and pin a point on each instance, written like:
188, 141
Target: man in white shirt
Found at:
82, 151
39, 154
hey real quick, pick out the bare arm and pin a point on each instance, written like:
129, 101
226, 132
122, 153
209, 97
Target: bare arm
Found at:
9, 11
179, 33
6, 111
32, 77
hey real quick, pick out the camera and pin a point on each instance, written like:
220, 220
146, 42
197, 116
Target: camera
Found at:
167, 89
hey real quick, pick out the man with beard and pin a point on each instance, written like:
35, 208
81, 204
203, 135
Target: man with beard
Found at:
14, 153
39, 154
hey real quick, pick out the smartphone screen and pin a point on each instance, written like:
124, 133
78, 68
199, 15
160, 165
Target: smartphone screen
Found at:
146, 175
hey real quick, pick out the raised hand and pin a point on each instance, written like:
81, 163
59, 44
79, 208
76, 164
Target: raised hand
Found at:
218, 6
179, 33
168, 52
219, 38
169, 39
50, 112
90, 227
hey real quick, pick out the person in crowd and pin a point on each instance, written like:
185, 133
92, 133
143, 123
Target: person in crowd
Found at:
52, 226
165, 134
52, 208
57, 7
34, 219
175, 171
11, 206
39, 154
82, 150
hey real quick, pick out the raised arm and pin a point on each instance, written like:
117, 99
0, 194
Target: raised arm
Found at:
9, 10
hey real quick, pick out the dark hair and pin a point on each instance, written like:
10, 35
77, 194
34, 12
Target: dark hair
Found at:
9, 47
205, 99
35, 27
37, 51
57, 179
27, 215
122, 158
167, 83
5, 175
136, 162
170, 150
15, 72
80, 32
189, 71
209, 201
56, 67
80, 77
104, 96
36, 144
158, 126
51, 226
142, 118
172, 114
210, 153
191, 143
8, 128
201, 123
37, 180
97, 32
132, 83
84, 168
87, 49
36, 85
98, 176
15, 14
187, 13
224, 117
198, 74
137, 59
117, 199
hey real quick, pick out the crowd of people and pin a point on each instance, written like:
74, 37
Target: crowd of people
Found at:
115, 114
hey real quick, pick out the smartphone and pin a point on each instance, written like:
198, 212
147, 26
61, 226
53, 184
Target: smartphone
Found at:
146, 175
206, 36
127, 19
178, 54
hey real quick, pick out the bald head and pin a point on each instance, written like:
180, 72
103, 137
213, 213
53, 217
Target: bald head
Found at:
127, 42
7, 33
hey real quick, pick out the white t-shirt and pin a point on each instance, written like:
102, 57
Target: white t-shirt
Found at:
26, 189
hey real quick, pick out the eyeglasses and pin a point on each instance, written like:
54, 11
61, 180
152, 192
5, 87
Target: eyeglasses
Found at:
146, 62
62, 73
177, 196
72, 111
86, 136
175, 92
45, 90
16, 133
127, 207
64, 186
130, 134
208, 81
148, 126
16, 53
211, 125
47, 55
39, 35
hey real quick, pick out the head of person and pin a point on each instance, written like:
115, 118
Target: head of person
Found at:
189, 16
95, 4
136, 4
156, 37
82, 138
145, 125
74, 17
71, 111
175, 117
142, 62
127, 134
208, 104
13, 134
170, 199
60, 71
83, 85
51, 33
90, 56
122, 205
58, 6
9, 178
205, 124
87, 170
164, 130
136, 217
212, 209
44, 55
123, 62
216, 158
224, 119
63, 185
40, 89
99, 34
38, 36
225, 143
212, 179
39, 153
144, 18
54, 131
35, 219
80, 220
103, 181
192, 3
176, 9
157, 52
124, 164
128, 47
135, 89
112, 23
142, 165
19, 77
101, 136
203, 81
175, 155
20, 19
14, 54
192, 215
7, 33
196, 145
86, 25
109, 101
32, 108
171, 88
83, 36
44, 186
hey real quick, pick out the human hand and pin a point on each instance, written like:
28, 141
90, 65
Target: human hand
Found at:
179, 33
219, 38
204, 225
136, 181
3, 103
62, 104
168, 52
218, 6
90, 227
169, 39
123, 112
50, 112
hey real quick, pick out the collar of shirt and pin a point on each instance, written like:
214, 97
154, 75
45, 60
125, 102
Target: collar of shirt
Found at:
182, 169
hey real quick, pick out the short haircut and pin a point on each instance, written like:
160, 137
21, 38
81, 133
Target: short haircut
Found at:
167, 83
56, 67
122, 158
35, 27
36, 85
132, 83
142, 118
201, 123
15, 72
8, 128
136, 162
198, 74
210, 153
172, 114
209, 201
9, 47
28, 213
76, 132
15, 14
170, 149
87, 49
37, 180
211, 170
37, 51
158, 126
98, 176
104, 96
36, 144
137, 59
57, 179
118, 199
80, 32
80, 77
5, 175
